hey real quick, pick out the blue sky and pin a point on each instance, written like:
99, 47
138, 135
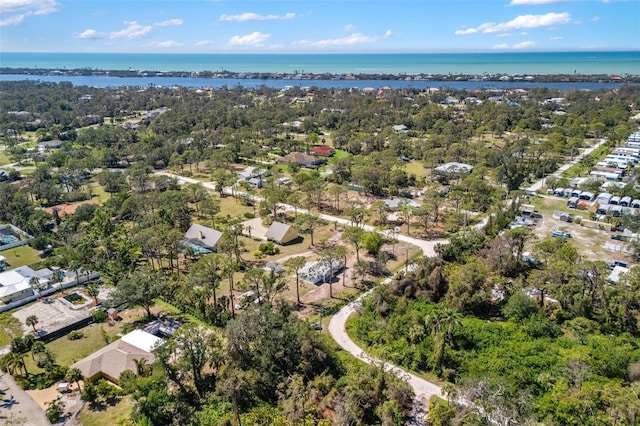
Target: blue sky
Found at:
311, 26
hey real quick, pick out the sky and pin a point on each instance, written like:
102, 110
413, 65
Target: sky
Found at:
312, 26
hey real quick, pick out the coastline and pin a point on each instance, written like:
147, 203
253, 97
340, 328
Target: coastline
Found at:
310, 77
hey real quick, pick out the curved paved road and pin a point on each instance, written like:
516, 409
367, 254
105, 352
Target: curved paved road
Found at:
423, 389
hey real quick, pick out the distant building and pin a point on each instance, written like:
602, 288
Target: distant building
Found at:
394, 204
453, 168
400, 128
302, 159
15, 283
281, 233
322, 151
201, 239
46, 145
617, 273
319, 272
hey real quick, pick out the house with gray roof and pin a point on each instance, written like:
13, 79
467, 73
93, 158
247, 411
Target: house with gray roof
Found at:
281, 233
46, 145
395, 204
319, 272
454, 168
201, 239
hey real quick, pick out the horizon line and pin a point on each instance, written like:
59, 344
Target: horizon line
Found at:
461, 52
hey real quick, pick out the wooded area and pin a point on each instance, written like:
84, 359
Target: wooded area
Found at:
552, 342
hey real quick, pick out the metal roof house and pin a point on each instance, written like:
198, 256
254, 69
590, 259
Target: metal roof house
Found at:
394, 204
319, 272
281, 233
453, 167
201, 239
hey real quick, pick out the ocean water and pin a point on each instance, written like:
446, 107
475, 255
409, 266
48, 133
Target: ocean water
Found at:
537, 63
250, 83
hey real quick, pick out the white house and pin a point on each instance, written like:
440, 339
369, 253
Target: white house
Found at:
453, 167
319, 272
14, 284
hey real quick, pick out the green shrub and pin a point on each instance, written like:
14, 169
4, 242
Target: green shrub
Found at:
75, 335
269, 248
99, 315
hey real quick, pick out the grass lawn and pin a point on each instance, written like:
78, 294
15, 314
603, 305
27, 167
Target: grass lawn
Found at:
99, 193
69, 351
337, 155
4, 158
233, 208
120, 413
21, 256
9, 327
416, 168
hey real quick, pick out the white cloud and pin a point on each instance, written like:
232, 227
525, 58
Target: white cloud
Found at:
349, 28
355, 38
166, 44
519, 22
203, 43
388, 34
505, 35
250, 16
524, 33
595, 18
88, 34
524, 44
534, 2
15, 12
133, 31
170, 23
556, 38
466, 32
253, 39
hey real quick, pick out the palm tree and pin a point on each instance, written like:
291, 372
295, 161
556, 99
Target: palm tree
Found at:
92, 291
13, 362
142, 367
442, 323
34, 282
32, 320
228, 268
74, 375
37, 348
294, 264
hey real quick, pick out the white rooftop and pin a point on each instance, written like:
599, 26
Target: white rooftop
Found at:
142, 340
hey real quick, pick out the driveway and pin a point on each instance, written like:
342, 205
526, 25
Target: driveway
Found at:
257, 229
17, 406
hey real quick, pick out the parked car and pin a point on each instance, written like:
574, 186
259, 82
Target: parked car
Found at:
560, 234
